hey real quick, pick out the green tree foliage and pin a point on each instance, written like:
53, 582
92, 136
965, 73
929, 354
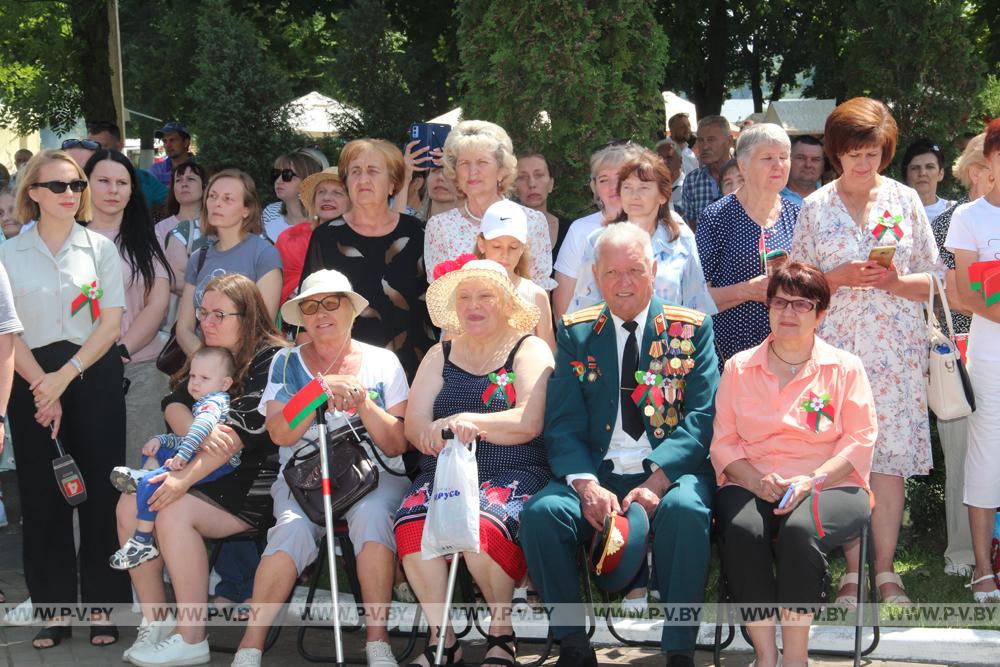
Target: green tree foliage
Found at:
238, 96
701, 51
916, 56
593, 68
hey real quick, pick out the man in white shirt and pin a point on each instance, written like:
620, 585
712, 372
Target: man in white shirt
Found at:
680, 135
616, 436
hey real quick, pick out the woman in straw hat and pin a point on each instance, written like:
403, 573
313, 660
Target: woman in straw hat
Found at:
488, 381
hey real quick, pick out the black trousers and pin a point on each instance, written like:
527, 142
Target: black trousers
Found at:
778, 561
93, 433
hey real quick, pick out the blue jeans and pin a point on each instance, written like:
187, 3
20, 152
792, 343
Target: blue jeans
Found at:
146, 489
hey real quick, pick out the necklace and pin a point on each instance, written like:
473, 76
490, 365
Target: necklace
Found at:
469, 213
793, 367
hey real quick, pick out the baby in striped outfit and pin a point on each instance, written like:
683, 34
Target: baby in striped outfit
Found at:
210, 377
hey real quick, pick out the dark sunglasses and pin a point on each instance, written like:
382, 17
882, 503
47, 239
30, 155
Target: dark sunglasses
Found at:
798, 305
311, 306
286, 174
88, 144
59, 187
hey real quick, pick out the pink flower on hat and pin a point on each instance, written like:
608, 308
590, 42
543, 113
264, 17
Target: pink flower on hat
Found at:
450, 265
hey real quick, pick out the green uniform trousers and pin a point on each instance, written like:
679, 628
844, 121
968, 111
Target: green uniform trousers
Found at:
553, 528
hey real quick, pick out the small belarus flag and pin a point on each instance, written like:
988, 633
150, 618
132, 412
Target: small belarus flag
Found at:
991, 286
304, 403
978, 272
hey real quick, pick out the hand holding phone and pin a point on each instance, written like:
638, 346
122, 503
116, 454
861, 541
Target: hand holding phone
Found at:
882, 255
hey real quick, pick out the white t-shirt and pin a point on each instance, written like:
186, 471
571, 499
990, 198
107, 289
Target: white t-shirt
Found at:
380, 371
976, 226
274, 223
575, 244
937, 208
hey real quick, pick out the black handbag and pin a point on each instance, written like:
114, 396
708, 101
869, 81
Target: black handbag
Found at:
352, 475
172, 357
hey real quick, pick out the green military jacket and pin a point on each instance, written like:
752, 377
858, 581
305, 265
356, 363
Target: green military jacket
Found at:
676, 394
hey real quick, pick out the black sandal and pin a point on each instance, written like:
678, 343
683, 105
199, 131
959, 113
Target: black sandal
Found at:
103, 630
449, 653
53, 633
506, 642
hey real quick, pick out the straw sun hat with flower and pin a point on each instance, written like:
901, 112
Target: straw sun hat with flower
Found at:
307, 190
522, 316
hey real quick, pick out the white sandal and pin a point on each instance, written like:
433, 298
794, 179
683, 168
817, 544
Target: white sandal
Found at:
892, 578
849, 601
984, 597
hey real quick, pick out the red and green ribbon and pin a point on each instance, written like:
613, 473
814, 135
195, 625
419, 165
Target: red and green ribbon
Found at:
817, 406
814, 505
889, 224
304, 403
502, 385
648, 389
89, 295
578, 369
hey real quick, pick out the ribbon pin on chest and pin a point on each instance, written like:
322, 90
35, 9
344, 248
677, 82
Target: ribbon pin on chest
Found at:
90, 294
889, 224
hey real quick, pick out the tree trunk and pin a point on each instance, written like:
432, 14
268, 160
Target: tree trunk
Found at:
709, 99
756, 84
90, 34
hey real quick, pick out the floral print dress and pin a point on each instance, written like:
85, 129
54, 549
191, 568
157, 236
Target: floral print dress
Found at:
885, 330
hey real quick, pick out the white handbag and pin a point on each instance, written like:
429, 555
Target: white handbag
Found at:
949, 390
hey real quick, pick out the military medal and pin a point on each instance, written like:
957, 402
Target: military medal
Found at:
592, 372
658, 433
676, 329
672, 419
656, 365
649, 410
687, 347
660, 324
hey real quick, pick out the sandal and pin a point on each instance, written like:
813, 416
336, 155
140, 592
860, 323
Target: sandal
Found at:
984, 597
506, 642
849, 601
892, 578
103, 630
52, 633
449, 654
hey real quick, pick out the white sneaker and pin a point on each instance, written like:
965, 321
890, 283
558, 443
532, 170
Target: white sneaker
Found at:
635, 606
171, 652
150, 634
379, 654
247, 657
126, 479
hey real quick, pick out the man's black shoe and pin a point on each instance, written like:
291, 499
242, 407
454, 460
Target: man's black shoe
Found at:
572, 656
680, 660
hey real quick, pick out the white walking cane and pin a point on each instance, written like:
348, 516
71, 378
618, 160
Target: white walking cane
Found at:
446, 434
331, 557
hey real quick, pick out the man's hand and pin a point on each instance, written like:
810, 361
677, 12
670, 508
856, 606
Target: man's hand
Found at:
648, 494
595, 501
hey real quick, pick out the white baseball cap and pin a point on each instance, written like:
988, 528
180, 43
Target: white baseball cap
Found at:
505, 218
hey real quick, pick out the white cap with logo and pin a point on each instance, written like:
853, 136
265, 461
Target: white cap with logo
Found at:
505, 218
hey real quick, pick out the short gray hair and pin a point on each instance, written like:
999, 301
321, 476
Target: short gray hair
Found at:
760, 134
619, 234
720, 122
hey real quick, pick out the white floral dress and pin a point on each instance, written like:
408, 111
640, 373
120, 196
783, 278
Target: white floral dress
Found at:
451, 234
885, 330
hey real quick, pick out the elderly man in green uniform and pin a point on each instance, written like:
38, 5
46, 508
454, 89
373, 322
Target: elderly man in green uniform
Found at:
628, 420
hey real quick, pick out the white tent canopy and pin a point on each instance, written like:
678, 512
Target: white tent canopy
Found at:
312, 114
672, 104
800, 116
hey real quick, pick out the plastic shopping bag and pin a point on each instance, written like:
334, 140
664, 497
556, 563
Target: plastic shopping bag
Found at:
453, 509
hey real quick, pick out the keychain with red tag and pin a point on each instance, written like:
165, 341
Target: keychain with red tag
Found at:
68, 476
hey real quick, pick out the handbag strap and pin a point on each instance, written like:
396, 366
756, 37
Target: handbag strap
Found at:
932, 321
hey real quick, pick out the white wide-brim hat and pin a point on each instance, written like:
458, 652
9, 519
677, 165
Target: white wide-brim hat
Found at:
523, 316
324, 281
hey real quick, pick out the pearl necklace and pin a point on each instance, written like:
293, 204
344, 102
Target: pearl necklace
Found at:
469, 213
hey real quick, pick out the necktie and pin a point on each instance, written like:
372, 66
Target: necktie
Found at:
631, 419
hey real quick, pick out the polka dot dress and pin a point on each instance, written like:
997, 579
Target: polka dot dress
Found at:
729, 248
508, 475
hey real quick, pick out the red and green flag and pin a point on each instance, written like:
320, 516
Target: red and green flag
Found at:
991, 285
304, 403
90, 295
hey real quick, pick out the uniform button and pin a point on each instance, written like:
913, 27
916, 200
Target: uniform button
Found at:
607, 427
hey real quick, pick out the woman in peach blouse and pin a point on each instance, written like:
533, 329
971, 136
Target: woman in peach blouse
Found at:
795, 429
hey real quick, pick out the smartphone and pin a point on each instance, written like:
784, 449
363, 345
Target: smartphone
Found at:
882, 254
431, 135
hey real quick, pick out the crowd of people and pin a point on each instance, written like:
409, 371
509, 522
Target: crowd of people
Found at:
722, 338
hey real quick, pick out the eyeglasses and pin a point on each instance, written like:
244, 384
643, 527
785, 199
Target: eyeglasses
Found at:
311, 306
214, 316
59, 187
286, 174
798, 305
88, 144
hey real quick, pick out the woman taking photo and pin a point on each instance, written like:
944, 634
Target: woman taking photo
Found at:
743, 234
479, 161
458, 391
792, 450
68, 292
379, 251
605, 163
233, 316
231, 213
180, 234
120, 215
362, 378
644, 191
975, 228
533, 185
875, 311
289, 171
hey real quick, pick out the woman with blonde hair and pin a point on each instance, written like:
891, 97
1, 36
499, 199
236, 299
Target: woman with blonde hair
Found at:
479, 160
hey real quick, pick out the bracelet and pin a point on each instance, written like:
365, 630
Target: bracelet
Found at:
77, 365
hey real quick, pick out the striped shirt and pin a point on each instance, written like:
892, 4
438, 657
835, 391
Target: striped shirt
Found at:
208, 411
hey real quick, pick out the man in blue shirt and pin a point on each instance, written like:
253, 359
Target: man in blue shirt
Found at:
701, 186
806, 168
176, 144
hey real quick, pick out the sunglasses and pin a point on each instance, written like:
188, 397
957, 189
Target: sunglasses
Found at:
286, 175
59, 187
311, 306
88, 144
798, 305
